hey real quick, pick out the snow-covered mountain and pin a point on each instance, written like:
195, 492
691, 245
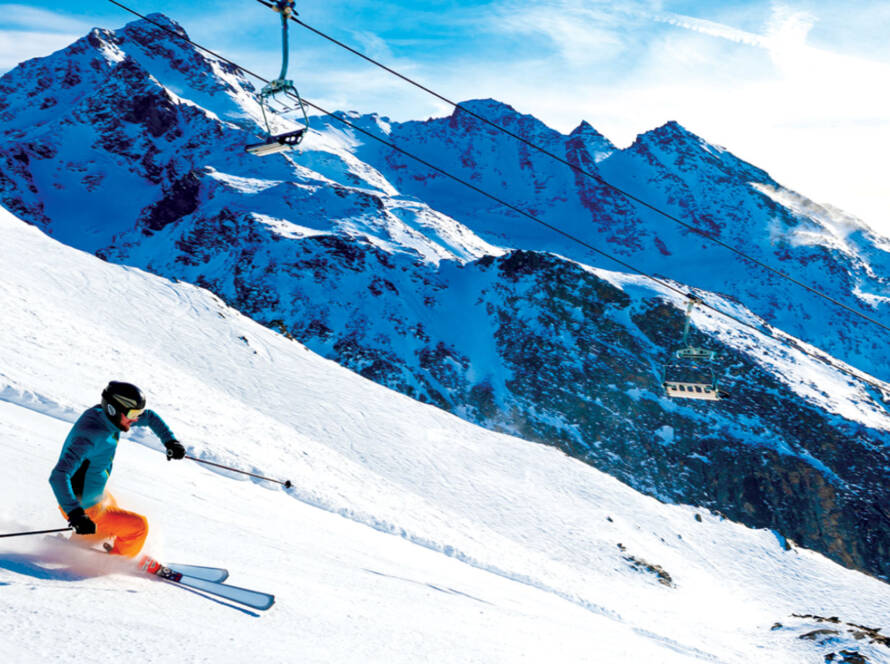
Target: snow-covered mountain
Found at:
702, 185
129, 144
410, 535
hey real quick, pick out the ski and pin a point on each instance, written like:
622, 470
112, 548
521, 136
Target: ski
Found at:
252, 598
214, 574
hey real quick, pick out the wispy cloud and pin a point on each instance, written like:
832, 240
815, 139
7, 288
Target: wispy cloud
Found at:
580, 32
372, 45
710, 28
40, 20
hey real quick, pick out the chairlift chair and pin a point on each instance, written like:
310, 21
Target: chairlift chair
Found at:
281, 86
691, 376
691, 380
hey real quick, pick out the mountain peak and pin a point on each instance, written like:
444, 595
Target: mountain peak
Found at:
502, 114
589, 132
598, 145
495, 111
670, 132
673, 141
153, 23
487, 107
672, 138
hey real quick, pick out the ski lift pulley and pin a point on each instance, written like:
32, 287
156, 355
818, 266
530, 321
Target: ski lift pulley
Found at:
281, 86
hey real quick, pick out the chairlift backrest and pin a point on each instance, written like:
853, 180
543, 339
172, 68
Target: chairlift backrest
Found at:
695, 353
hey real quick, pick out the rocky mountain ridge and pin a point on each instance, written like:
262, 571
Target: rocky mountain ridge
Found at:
701, 185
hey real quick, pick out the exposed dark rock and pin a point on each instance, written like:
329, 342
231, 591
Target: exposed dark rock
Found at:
640, 565
180, 200
156, 112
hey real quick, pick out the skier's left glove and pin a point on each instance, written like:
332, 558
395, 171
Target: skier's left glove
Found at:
82, 524
175, 450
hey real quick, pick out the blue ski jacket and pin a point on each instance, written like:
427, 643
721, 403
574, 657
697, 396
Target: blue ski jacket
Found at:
79, 478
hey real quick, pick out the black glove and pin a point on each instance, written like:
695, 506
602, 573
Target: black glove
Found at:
175, 450
82, 524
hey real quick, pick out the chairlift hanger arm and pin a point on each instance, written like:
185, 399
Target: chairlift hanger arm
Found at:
285, 8
693, 301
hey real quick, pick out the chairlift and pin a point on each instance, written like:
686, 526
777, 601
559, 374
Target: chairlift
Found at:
691, 375
281, 86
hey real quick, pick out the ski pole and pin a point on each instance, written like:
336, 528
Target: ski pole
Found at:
286, 483
38, 532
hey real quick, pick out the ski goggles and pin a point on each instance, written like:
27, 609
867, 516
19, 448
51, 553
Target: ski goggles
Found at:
134, 413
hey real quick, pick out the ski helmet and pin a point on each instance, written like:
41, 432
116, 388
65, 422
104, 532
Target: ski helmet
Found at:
123, 398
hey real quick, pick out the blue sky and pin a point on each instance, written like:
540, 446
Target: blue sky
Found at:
798, 87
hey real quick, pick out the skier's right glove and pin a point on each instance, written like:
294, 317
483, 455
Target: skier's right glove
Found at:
82, 524
175, 450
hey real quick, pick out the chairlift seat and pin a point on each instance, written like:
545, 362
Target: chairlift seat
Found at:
276, 144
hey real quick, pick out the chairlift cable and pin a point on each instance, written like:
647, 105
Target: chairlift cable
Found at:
420, 160
589, 174
666, 284
661, 282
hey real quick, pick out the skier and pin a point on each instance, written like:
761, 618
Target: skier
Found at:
79, 478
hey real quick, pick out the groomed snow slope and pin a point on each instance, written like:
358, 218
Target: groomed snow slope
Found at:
410, 536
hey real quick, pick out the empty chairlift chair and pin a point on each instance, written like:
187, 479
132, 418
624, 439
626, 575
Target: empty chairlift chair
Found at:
691, 375
280, 87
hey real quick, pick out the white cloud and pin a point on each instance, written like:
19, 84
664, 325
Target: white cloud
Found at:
18, 45
40, 20
796, 62
29, 32
373, 45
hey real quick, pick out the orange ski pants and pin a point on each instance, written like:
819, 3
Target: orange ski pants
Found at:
127, 529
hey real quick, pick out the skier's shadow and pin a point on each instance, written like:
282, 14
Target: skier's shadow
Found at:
214, 599
40, 567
